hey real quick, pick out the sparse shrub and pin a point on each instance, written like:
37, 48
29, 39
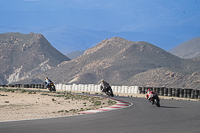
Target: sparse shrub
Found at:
97, 103
32, 92
73, 110
81, 109
7, 90
53, 99
58, 95
3, 95
110, 102
23, 91
44, 94
60, 111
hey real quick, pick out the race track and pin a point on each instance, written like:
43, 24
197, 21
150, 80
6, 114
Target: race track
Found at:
174, 116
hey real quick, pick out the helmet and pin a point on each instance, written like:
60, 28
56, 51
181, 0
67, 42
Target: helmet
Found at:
149, 90
101, 80
46, 77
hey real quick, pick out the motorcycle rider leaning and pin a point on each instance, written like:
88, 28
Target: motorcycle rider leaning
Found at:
104, 85
47, 82
150, 94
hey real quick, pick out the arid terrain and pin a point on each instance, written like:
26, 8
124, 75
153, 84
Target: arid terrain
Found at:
22, 104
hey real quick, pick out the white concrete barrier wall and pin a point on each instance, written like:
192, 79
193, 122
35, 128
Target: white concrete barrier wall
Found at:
96, 88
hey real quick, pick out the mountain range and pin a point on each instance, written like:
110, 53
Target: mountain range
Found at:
117, 60
189, 49
82, 39
123, 62
23, 55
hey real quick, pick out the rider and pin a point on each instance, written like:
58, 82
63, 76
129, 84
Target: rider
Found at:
150, 94
104, 85
47, 82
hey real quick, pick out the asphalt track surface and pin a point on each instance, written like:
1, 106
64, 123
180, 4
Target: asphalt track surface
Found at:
174, 116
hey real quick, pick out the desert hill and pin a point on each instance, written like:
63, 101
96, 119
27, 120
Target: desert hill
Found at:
187, 50
75, 54
23, 55
123, 62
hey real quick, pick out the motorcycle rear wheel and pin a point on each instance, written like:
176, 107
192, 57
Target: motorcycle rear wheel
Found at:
53, 88
157, 102
111, 93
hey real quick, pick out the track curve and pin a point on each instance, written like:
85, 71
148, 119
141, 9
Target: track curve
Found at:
173, 116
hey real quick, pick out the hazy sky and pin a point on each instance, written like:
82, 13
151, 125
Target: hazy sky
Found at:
177, 18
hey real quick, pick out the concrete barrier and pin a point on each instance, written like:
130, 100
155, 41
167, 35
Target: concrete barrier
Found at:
165, 91
140, 90
25, 86
177, 92
143, 90
181, 93
36, 85
157, 90
96, 88
162, 91
185, 93
189, 93
192, 94
169, 92
196, 94
173, 92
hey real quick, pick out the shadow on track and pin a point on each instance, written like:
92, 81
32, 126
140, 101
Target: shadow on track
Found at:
168, 107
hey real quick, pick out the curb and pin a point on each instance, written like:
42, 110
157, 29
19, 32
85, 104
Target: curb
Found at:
119, 105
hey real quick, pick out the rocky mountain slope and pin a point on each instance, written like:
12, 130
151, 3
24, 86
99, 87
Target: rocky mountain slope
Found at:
187, 50
23, 55
75, 54
123, 62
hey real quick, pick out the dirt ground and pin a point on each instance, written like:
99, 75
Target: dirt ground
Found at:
22, 104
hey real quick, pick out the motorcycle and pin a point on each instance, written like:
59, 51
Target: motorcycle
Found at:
155, 100
109, 91
51, 87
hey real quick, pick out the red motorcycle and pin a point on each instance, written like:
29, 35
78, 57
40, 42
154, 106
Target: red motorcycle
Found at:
154, 99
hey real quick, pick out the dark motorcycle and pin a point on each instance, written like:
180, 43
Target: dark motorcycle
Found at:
51, 87
109, 91
155, 100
